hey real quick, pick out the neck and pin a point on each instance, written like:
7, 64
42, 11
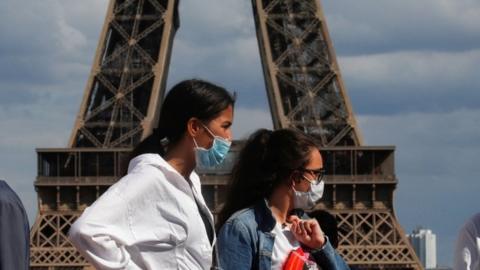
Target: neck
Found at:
280, 204
179, 158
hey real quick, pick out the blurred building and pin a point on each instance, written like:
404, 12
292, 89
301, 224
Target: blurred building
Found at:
424, 243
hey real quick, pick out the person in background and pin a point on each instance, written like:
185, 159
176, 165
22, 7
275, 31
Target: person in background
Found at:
277, 173
155, 217
467, 250
329, 226
14, 231
328, 223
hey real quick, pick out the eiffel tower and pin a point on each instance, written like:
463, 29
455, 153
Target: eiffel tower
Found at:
305, 91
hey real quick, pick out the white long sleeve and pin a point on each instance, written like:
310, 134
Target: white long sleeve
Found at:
147, 220
103, 237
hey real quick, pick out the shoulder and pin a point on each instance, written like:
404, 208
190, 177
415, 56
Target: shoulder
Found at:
239, 228
8, 196
245, 215
242, 221
475, 219
472, 225
148, 173
141, 181
142, 186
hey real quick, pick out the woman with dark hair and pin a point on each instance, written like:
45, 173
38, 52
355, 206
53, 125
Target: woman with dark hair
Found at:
155, 217
278, 174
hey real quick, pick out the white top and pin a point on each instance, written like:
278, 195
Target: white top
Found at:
284, 243
147, 220
467, 250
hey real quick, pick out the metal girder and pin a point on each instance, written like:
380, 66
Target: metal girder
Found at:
49, 246
128, 76
374, 240
304, 84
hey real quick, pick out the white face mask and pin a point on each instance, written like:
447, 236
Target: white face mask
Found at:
306, 200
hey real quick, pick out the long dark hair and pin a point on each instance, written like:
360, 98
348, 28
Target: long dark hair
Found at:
187, 99
266, 160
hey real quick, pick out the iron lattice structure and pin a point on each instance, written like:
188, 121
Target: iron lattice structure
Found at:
305, 88
120, 103
305, 91
127, 82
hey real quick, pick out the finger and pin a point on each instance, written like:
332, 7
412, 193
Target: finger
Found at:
293, 218
299, 228
303, 226
309, 227
293, 228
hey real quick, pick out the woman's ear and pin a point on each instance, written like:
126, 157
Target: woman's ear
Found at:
294, 179
193, 127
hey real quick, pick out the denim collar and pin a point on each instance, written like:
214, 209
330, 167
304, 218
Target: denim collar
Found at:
265, 220
264, 216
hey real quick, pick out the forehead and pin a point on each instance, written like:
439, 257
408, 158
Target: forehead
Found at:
315, 159
225, 115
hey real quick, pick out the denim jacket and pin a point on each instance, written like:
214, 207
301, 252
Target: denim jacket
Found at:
245, 242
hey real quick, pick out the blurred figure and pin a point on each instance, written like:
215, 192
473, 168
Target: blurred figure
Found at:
467, 250
329, 226
328, 223
14, 231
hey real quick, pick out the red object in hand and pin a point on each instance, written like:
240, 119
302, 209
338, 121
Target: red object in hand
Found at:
296, 260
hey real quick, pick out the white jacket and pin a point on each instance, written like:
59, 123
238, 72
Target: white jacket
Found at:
147, 220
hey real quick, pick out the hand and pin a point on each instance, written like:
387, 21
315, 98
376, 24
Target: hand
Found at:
307, 232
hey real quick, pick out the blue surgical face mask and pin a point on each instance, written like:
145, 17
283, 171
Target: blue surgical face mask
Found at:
306, 200
209, 158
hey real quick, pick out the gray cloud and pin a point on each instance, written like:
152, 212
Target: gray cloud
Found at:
407, 81
210, 22
40, 51
217, 41
247, 120
369, 26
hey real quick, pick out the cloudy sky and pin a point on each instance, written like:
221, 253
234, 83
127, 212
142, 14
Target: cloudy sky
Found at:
411, 69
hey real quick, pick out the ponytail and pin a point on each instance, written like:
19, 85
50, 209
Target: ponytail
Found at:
240, 193
153, 144
266, 161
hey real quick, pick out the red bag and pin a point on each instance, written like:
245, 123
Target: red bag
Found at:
299, 260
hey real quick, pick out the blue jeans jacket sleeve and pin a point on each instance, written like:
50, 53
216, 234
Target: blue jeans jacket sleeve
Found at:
236, 247
328, 258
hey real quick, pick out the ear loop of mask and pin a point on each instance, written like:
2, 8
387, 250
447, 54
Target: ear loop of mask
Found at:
195, 141
209, 132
